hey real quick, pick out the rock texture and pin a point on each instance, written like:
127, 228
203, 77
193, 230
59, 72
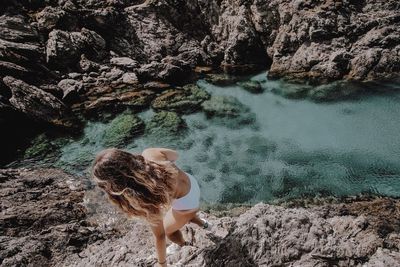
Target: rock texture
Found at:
92, 54
43, 218
46, 220
269, 235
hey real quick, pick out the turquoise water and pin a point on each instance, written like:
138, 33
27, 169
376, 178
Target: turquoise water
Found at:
295, 148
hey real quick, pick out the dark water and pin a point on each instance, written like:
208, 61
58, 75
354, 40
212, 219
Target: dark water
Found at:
295, 148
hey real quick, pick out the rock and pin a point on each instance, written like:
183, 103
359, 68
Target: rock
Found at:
234, 113
130, 78
185, 100
74, 75
71, 88
167, 72
36, 103
87, 65
122, 130
221, 79
16, 29
49, 18
65, 48
165, 125
265, 235
43, 217
124, 62
156, 86
290, 90
113, 74
136, 100
253, 87
334, 91
8, 68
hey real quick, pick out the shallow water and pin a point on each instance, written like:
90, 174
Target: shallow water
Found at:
296, 148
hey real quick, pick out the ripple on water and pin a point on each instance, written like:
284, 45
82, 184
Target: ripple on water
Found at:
293, 148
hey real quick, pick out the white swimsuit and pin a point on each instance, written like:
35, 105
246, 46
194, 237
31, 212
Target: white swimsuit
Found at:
191, 200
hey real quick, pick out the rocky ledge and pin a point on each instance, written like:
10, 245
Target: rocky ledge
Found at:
50, 218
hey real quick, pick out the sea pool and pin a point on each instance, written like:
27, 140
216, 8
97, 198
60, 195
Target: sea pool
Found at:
294, 148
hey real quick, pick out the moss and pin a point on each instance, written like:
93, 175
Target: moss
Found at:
182, 100
251, 86
166, 123
122, 129
40, 146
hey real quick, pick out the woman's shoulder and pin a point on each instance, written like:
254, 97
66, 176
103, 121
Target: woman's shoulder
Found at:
160, 154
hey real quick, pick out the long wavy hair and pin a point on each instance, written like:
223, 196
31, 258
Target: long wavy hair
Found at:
140, 188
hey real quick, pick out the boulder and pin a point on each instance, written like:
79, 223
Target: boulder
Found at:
71, 88
36, 103
185, 100
228, 110
124, 62
253, 87
122, 130
64, 49
165, 125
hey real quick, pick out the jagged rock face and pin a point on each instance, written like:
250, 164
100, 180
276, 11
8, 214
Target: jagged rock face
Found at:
43, 217
165, 40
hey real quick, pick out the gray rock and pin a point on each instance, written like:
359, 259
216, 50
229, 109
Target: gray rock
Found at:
49, 18
124, 62
266, 235
87, 65
42, 214
36, 103
129, 78
65, 48
70, 88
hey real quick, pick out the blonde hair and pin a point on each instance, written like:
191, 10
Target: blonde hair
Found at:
138, 187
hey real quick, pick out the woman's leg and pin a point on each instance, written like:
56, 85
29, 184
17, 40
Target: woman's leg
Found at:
175, 220
197, 220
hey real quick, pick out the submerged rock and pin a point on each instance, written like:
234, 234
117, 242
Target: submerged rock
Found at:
122, 129
185, 100
165, 124
234, 113
251, 86
221, 79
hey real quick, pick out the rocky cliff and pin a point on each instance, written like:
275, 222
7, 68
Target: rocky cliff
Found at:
50, 218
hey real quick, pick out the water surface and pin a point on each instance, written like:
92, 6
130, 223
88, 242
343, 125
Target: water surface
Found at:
295, 148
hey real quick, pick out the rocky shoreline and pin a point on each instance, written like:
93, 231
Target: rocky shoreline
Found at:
60, 60
47, 219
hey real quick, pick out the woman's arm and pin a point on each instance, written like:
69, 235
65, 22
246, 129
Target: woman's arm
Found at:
160, 154
160, 243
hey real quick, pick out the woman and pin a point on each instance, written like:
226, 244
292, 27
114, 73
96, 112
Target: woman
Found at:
152, 187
